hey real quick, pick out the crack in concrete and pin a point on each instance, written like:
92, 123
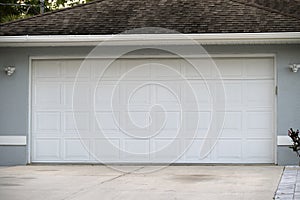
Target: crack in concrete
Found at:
86, 189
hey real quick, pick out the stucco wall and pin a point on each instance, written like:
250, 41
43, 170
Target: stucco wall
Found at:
14, 91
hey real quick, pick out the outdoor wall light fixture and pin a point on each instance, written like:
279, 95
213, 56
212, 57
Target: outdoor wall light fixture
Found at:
9, 70
294, 67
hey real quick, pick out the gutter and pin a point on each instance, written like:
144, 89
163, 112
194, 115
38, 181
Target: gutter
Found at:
151, 39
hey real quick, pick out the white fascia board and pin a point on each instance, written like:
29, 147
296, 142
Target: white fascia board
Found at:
151, 39
13, 140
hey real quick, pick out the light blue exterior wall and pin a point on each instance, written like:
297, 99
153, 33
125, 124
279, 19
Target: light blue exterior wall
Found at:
14, 91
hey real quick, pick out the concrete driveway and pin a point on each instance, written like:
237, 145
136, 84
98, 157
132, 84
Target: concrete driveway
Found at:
88, 182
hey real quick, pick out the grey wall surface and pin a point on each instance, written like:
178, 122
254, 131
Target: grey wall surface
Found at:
14, 90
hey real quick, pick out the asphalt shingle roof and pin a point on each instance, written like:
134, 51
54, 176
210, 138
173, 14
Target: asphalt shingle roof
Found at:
184, 16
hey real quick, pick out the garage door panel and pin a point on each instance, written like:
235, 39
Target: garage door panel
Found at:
107, 121
165, 69
166, 150
137, 150
46, 69
198, 68
46, 149
136, 69
151, 113
47, 93
134, 120
107, 149
131, 93
260, 93
196, 124
76, 150
76, 122
168, 120
232, 125
258, 150
259, 120
230, 68
229, 150
106, 96
167, 134
193, 152
233, 120
79, 96
104, 69
259, 68
233, 91
47, 122
73, 68
202, 90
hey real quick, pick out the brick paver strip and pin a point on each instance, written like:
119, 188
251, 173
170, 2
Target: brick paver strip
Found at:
289, 186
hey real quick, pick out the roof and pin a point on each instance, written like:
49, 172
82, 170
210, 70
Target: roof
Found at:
105, 17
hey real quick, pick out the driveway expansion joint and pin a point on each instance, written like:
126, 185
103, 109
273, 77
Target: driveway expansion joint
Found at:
86, 189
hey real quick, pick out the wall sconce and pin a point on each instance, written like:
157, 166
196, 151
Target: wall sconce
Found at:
294, 67
9, 70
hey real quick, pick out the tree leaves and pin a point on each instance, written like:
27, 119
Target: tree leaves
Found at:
296, 140
18, 9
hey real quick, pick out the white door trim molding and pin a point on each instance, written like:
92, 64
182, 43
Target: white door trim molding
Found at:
13, 140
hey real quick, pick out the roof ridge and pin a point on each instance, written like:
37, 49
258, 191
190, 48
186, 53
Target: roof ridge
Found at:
51, 12
253, 4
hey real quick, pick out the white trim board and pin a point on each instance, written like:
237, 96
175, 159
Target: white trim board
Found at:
151, 39
13, 140
284, 140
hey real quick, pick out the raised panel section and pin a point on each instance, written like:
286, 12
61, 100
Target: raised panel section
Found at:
76, 150
136, 69
46, 149
47, 93
198, 68
233, 92
193, 151
165, 69
46, 69
107, 121
107, 149
75, 68
229, 150
198, 92
47, 122
260, 93
137, 150
132, 94
166, 150
76, 122
259, 68
230, 68
106, 96
258, 150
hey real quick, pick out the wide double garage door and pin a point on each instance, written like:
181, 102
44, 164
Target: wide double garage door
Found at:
153, 110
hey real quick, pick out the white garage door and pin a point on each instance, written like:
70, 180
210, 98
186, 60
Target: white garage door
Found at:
153, 110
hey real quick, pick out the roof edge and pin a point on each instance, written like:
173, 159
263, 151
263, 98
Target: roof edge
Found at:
150, 39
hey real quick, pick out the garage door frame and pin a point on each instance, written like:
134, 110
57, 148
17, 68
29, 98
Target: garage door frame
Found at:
31, 58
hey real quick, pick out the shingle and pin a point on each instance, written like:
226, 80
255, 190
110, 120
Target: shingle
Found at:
184, 16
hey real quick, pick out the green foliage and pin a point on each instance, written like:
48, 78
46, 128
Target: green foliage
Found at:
18, 9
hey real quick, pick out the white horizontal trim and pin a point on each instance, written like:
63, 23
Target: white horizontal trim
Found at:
13, 140
283, 140
165, 56
151, 39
